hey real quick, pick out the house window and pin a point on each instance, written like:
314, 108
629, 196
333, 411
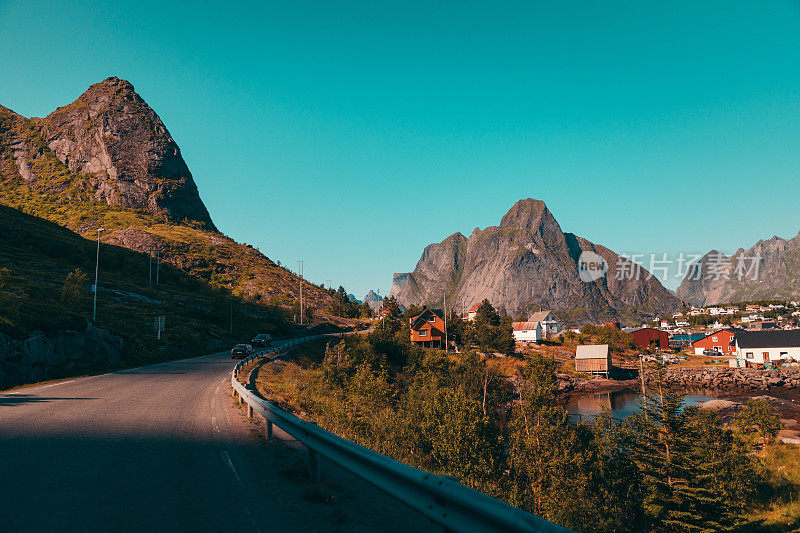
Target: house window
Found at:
713, 339
749, 355
423, 333
432, 319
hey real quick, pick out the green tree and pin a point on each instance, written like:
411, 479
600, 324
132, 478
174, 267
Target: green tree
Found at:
758, 418
73, 293
366, 311
697, 475
490, 331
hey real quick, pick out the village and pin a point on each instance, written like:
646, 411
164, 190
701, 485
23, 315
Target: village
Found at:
757, 336
735, 352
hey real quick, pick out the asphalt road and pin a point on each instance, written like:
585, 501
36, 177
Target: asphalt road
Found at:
151, 448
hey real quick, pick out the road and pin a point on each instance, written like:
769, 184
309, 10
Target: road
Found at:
154, 448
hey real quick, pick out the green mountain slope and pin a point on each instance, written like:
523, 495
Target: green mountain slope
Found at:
39, 305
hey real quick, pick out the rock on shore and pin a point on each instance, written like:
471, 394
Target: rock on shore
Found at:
731, 378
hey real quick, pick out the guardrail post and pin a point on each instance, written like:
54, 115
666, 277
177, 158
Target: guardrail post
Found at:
313, 466
249, 411
269, 429
313, 463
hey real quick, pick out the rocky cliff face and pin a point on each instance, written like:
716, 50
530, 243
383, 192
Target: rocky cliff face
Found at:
526, 263
61, 353
374, 301
110, 134
770, 269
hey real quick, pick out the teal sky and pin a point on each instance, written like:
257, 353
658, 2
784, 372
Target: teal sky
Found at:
353, 134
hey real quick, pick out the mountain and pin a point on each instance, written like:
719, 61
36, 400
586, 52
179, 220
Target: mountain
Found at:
374, 301
768, 270
107, 161
112, 135
527, 263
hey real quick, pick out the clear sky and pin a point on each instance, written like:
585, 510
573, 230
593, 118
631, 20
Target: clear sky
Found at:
353, 134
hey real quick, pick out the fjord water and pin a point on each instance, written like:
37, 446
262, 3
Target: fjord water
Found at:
621, 403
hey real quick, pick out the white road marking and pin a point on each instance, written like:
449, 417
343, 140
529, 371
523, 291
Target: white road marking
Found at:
41, 387
227, 460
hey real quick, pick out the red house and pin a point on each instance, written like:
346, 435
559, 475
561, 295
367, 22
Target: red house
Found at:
649, 337
427, 329
722, 341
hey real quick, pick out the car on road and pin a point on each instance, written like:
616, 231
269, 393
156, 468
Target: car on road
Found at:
262, 340
240, 351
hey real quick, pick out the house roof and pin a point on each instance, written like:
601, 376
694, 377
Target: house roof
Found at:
538, 316
591, 351
633, 330
691, 337
420, 319
520, 326
735, 331
474, 308
769, 339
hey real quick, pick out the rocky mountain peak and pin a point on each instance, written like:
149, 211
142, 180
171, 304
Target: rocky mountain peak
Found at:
767, 270
110, 134
532, 220
528, 213
373, 300
524, 263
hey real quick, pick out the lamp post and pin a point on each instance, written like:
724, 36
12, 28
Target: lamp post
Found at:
96, 274
300, 262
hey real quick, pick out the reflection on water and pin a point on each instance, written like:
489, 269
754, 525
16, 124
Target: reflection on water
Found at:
620, 403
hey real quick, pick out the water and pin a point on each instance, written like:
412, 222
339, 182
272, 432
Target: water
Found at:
620, 403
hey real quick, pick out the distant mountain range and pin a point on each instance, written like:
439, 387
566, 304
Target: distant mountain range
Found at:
527, 263
374, 301
768, 270
107, 161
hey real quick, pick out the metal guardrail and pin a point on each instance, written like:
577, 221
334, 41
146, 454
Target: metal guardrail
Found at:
442, 499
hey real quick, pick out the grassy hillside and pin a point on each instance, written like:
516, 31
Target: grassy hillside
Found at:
37, 257
34, 181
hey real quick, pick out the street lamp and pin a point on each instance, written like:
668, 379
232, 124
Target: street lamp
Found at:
96, 273
300, 263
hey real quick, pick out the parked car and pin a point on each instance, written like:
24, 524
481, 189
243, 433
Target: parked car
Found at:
262, 340
240, 351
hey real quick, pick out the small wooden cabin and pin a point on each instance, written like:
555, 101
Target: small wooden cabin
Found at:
593, 359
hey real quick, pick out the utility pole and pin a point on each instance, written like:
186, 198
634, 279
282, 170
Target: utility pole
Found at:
150, 271
300, 263
158, 265
231, 312
96, 276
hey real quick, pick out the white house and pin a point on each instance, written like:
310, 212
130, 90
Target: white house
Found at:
472, 312
767, 346
550, 324
528, 331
